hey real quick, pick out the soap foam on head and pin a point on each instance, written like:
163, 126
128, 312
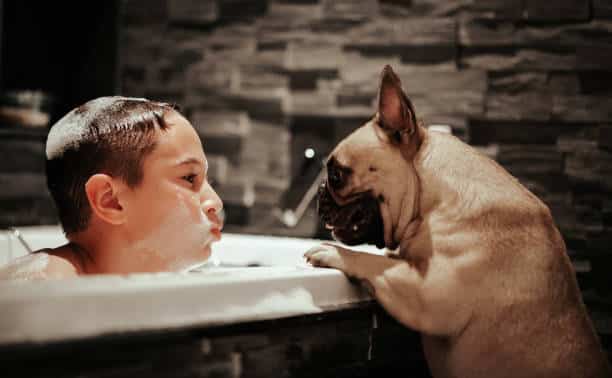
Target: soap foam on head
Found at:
73, 129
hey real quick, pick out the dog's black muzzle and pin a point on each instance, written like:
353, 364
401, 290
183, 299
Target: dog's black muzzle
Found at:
357, 222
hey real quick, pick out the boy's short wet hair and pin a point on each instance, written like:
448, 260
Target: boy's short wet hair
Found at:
110, 135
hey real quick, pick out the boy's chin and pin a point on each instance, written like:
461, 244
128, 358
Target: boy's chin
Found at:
205, 252
195, 260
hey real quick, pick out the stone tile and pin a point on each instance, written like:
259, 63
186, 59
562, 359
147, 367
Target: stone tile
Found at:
602, 9
311, 79
448, 104
582, 108
232, 11
238, 195
520, 107
262, 104
356, 69
517, 82
311, 102
605, 137
584, 139
428, 54
133, 81
23, 185
486, 32
594, 56
230, 146
411, 32
423, 8
565, 83
284, 15
218, 168
434, 93
183, 47
258, 76
590, 166
193, 13
266, 155
490, 61
313, 55
240, 343
240, 37
27, 211
138, 46
530, 160
566, 34
483, 132
22, 156
595, 82
165, 80
497, 9
520, 60
269, 190
223, 123
563, 11
349, 10
144, 12
211, 75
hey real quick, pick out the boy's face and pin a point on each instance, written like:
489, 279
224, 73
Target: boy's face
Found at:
172, 215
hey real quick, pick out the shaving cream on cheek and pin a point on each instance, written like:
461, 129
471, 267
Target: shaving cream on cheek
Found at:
180, 239
195, 234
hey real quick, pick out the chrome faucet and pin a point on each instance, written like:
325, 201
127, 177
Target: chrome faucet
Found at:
14, 232
303, 188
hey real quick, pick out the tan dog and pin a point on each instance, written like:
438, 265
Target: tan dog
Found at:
481, 272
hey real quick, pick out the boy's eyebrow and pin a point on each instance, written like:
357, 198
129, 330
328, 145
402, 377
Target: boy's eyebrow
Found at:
192, 160
196, 161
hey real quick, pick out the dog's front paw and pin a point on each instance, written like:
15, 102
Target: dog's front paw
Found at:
326, 256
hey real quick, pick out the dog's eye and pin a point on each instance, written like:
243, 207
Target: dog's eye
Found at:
396, 136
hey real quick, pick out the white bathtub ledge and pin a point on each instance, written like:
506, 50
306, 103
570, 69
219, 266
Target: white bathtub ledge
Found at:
97, 305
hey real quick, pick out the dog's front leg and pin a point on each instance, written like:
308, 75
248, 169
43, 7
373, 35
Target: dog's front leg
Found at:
401, 299
409, 295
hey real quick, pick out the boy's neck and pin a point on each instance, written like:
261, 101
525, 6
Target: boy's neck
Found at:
88, 248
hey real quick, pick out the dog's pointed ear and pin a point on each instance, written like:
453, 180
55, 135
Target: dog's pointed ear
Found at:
395, 112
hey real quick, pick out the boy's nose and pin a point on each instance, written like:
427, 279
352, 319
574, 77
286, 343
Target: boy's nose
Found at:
212, 206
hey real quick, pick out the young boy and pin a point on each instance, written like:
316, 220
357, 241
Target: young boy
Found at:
128, 177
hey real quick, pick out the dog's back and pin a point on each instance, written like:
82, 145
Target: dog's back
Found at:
528, 313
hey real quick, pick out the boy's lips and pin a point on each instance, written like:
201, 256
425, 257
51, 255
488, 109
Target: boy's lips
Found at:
216, 232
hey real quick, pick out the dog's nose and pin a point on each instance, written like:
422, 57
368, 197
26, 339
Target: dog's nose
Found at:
337, 175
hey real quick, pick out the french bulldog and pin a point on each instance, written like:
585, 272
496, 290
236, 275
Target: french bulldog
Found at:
477, 266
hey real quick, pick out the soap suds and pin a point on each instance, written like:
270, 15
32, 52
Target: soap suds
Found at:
294, 301
73, 129
26, 267
179, 238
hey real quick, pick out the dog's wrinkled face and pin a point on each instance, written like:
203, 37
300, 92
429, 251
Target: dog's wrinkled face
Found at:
356, 223
370, 173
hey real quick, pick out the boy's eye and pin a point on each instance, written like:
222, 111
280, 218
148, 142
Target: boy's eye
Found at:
190, 178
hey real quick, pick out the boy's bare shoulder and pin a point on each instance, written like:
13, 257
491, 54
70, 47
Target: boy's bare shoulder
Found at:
41, 265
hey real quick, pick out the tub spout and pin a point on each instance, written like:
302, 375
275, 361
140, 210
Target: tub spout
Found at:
303, 189
14, 232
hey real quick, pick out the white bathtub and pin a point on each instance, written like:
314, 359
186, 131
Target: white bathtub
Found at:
283, 285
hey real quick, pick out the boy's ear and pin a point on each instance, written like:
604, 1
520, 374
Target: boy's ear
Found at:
395, 113
102, 192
